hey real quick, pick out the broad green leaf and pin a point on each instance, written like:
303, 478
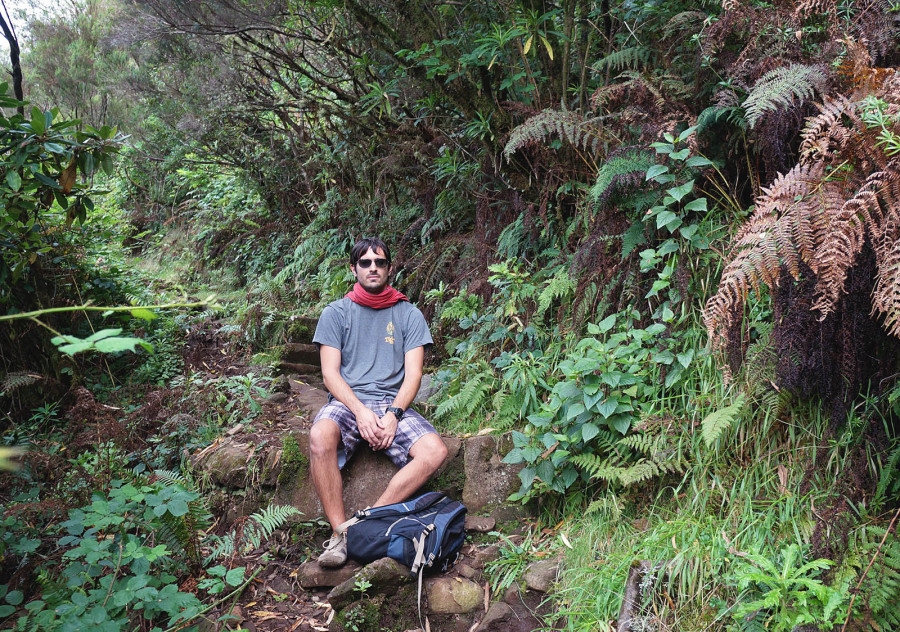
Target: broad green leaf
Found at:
77, 347
656, 170
513, 456
619, 423
574, 410
116, 344
13, 179
669, 220
589, 431
606, 324
698, 161
103, 333
680, 155
680, 191
696, 205
38, 121
235, 576
608, 407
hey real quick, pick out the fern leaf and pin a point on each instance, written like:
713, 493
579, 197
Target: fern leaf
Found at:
630, 57
777, 89
579, 131
16, 380
559, 286
629, 167
714, 424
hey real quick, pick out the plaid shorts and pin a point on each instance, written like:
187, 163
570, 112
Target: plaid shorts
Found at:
410, 429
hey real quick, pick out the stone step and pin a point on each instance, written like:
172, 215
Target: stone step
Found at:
300, 353
287, 368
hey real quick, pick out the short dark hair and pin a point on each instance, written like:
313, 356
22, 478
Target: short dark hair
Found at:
362, 246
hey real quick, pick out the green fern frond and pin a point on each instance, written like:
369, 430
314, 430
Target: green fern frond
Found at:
559, 286
633, 163
881, 586
570, 126
470, 397
640, 442
714, 424
643, 470
631, 57
889, 480
778, 88
256, 530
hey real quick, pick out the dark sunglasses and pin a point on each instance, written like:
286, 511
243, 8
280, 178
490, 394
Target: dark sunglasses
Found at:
365, 263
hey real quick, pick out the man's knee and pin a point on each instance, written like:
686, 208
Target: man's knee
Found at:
324, 438
431, 450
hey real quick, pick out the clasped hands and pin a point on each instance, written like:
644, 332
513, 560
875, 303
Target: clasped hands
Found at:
378, 432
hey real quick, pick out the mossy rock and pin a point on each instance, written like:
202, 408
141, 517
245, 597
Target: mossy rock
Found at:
294, 463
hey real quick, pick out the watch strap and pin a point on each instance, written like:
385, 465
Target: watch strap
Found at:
398, 412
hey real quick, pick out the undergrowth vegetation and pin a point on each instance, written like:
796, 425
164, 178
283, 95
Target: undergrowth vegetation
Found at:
657, 244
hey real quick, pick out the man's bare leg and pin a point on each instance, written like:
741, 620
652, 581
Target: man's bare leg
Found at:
323, 466
426, 454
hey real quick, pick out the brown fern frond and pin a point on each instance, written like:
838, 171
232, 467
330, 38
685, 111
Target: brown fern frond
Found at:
767, 242
824, 135
886, 297
848, 226
571, 126
805, 8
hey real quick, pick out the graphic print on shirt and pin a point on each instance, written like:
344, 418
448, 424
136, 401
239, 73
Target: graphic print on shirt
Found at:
390, 331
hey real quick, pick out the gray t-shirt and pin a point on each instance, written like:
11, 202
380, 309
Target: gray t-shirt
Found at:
373, 343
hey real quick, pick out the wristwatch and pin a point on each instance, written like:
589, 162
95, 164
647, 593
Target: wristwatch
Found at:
398, 412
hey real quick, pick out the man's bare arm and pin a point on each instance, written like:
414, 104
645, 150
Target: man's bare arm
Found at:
366, 420
413, 361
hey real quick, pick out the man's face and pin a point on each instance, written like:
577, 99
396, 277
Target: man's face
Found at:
372, 278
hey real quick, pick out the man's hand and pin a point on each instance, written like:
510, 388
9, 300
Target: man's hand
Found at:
387, 427
368, 424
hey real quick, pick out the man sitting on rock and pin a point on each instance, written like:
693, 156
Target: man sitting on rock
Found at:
372, 347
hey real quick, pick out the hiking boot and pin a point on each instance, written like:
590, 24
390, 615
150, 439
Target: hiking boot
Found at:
335, 554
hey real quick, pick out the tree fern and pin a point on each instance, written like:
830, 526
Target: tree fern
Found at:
570, 126
714, 424
777, 89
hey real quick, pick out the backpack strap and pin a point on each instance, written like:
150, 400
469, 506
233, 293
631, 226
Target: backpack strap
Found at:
357, 517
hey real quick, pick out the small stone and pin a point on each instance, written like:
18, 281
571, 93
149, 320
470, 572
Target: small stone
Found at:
541, 575
277, 398
513, 594
281, 384
484, 555
453, 595
466, 571
311, 575
234, 430
480, 524
498, 614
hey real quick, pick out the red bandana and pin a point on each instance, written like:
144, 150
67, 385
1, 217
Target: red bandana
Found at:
387, 297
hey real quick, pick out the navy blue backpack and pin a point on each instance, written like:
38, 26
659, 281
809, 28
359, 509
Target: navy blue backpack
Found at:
424, 533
